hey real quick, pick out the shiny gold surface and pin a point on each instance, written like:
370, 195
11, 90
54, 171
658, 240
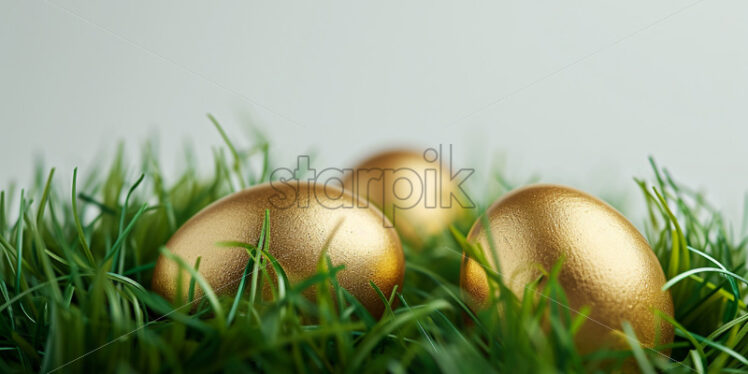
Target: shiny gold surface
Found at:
368, 250
419, 221
608, 265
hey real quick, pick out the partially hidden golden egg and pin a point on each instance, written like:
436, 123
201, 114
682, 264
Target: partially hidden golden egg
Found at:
607, 264
414, 190
304, 217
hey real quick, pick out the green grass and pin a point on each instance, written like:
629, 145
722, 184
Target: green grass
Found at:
76, 264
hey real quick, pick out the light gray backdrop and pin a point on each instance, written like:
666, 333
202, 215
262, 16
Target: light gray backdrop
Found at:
580, 92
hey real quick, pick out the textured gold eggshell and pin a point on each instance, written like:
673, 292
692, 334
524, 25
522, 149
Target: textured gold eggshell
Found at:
300, 226
420, 221
607, 266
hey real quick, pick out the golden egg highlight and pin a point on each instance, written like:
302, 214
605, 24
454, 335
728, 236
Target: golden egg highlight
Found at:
413, 189
303, 218
607, 263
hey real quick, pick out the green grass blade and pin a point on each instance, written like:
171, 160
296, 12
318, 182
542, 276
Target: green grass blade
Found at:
78, 226
204, 286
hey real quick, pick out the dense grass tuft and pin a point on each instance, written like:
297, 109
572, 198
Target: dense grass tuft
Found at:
75, 268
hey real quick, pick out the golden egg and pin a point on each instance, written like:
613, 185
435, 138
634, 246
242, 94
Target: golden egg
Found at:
303, 218
418, 191
607, 264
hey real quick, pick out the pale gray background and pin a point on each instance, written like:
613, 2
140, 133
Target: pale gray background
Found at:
580, 92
